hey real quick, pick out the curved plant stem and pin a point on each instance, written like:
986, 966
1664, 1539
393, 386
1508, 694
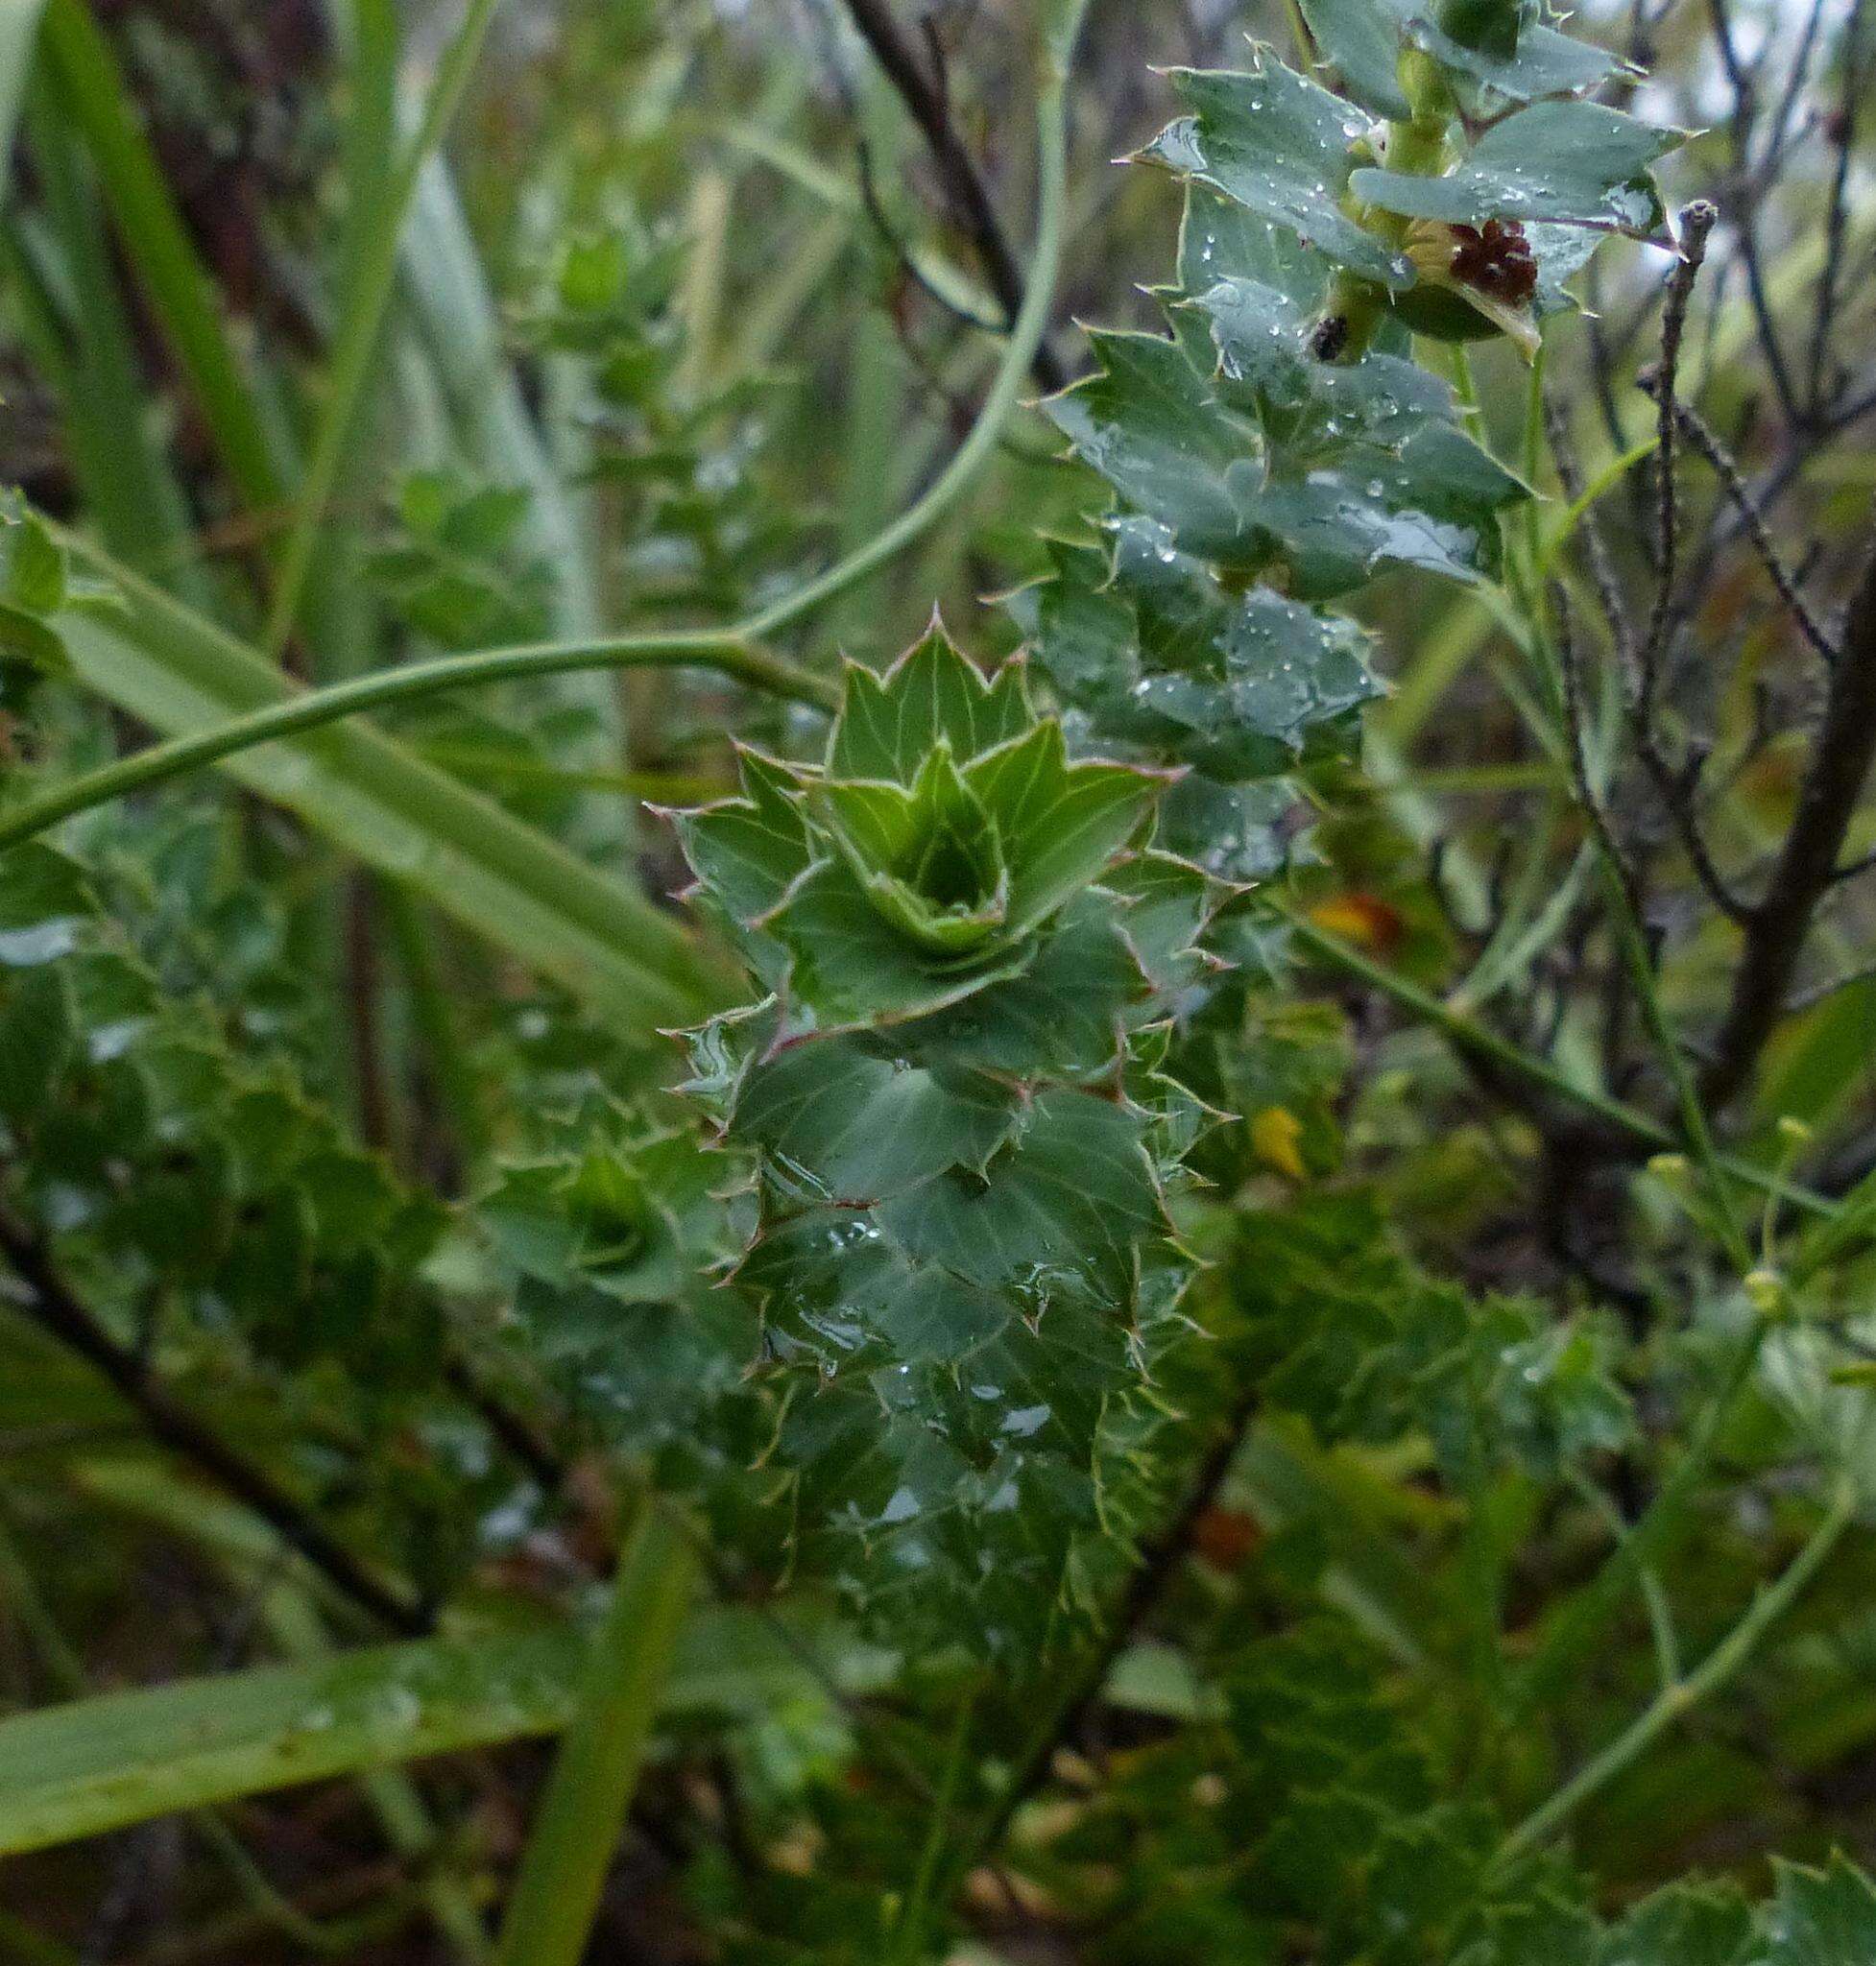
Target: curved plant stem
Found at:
1707, 1678
733, 651
729, 654
1662, 1523
1467, 1034
373, 276
576, 1825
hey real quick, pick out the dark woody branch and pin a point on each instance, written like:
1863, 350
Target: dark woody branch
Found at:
52, 1306
928, 102
1807, 864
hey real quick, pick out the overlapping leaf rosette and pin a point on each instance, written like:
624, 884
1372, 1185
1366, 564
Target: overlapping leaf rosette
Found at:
964, 1260
1279, 447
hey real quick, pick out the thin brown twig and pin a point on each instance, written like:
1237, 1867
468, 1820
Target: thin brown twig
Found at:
1807, 864
53, 1306
928, 101
1743, 78
1842, 136
1696, 224
1704, 439
1677, 785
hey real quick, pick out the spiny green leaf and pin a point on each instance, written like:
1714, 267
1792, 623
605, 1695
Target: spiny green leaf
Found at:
1261, 334
1280, 146
1432, 503
1820, 1917
1506, 48
1151, 424
1061, 823
747, 851
1355, 471
1156, 652
1566, 162
1687, 1924
859, 1123
930, 857
1066, 1011
852, 963
888, 724
1073, 1194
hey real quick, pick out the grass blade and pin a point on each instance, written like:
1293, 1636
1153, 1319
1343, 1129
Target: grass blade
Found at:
368, 795
101, 1763
159, 248
98, 1763
576, 1825
88, 354
371, 275
19, 28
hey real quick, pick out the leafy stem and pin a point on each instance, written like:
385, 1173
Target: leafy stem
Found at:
1466, 1033
733, 651
1683, 1694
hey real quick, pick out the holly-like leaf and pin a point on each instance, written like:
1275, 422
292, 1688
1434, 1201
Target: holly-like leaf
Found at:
1525, 59
930, 857
1063, 823
1073, 1194
1820, 1917
1687, 1924
748, 850
1151, 424
1064, 1014
1262, 333
853, 1121
1564, 162
1348, 510
1279, 145
1335, 471
888, 725
852, 961
1155, 650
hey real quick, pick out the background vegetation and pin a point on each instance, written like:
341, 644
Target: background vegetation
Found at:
1495, 1555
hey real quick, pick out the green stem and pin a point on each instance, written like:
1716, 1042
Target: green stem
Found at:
728, 654
577, 1823
1661, 1616
1707, 1678
1693, 1114
908, 1939
1467, 1035
1577, 1626
1552, 727
373, 278
730, 650
1006, 385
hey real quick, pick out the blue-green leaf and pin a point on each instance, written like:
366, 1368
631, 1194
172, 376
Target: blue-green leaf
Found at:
1280, 146
1566, 162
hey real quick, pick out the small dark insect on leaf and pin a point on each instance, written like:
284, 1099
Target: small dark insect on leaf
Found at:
1330, 337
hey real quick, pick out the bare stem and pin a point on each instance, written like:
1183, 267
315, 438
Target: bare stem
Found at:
1706, 1679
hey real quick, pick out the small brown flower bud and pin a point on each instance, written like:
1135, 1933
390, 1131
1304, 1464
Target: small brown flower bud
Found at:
1496, 259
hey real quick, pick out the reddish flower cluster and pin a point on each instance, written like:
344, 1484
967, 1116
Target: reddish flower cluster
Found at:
1496, 259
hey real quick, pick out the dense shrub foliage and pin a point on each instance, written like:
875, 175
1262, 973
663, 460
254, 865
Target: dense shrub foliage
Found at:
1180, 1275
